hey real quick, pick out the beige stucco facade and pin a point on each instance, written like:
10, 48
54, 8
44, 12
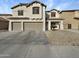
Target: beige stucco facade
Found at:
69, 18
42, 21
57, 20
49, 14
28, 11
35, 21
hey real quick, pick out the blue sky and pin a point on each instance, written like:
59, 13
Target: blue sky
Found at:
5, 5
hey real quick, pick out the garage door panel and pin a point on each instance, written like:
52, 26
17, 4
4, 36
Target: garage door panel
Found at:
33, 26
26, 26
16, 26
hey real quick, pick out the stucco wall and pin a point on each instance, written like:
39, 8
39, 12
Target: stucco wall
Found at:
76, 13
69, 19
49, 14
28, 11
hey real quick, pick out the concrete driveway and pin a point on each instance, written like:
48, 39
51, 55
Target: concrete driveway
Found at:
32, 45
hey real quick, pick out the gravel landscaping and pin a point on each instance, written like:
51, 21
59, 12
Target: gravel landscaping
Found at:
68, 38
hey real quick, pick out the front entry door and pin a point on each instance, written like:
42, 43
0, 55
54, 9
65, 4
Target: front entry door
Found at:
54, 25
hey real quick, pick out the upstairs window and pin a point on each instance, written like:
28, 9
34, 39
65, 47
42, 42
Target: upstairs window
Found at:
35, 10
20, 12
53, 14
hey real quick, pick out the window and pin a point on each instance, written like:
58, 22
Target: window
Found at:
35, 10
20, 12
69, 26
53, 14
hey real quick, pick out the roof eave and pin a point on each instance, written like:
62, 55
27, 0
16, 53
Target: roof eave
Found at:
20, 4
36, 2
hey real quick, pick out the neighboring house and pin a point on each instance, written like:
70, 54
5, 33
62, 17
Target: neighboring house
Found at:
4, 22
33, 16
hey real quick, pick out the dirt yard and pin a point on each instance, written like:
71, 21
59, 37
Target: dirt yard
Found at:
63, 38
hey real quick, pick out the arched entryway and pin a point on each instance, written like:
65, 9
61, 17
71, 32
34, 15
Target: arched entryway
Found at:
55, 24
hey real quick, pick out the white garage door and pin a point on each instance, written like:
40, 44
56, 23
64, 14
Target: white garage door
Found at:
16, 26
33, 26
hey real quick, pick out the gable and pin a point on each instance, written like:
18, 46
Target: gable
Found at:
35, 2
54, 10
28, 4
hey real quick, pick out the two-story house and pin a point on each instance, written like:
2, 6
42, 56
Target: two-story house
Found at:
33, 16
28, 16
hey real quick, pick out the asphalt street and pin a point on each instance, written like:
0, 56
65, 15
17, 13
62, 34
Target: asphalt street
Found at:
32, 45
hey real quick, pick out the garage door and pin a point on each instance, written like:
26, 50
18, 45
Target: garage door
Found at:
33, 26
16, 26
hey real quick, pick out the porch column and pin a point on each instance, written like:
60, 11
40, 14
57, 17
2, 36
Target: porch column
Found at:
49, 25
44, 18
10, 26
22, 26
61, 25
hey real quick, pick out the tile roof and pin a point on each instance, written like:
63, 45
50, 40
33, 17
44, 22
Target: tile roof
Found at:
5, 14
76, 17
36, 2
18, 18
3, 19
52, 10
27, 4
55, 19
69, 10
20, 4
